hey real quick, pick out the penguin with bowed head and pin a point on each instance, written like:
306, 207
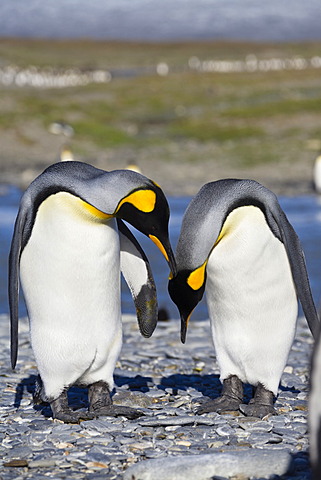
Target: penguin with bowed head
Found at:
237, 245
69, 247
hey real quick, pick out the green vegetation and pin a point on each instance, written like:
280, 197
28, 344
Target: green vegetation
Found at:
248, 117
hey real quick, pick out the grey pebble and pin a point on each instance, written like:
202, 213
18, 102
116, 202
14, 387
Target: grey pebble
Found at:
224, 431
177, 420
42, 463
256, 426
252, 463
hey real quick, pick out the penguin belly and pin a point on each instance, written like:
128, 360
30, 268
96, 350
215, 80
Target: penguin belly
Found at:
70, 275
251, 300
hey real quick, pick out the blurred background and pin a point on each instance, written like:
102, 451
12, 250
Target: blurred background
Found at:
189, 91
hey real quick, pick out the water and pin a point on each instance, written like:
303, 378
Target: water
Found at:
276, 20
304, 212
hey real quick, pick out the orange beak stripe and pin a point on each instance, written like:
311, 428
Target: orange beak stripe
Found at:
159, 245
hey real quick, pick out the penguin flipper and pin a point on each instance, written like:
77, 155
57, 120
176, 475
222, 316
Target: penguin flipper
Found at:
13, 283
139, 278
299, 271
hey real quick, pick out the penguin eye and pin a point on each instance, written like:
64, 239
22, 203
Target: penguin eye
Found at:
143, 200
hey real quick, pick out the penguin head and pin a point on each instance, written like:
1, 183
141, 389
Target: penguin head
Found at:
146, 209
186, 289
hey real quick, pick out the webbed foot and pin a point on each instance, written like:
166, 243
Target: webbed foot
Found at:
62, 411
101, 404
117, 411
230, 400
261, 404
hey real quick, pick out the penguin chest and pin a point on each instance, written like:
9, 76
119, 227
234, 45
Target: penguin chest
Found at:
70, 266
249, 279
251, 300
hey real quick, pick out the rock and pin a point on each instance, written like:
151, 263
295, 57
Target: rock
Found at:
131, 399
42, 463
250, 463
176, 420
16, 463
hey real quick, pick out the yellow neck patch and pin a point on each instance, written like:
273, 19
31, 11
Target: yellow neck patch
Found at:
235, 218
143, 200
159, 245
197, 277
94, 211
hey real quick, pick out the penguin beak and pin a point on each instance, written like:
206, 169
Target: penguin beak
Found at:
167, 251
184, 325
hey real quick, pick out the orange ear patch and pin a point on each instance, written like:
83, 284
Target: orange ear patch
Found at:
197, 277
143, 200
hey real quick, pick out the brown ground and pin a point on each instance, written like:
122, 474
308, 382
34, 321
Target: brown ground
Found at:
20, 163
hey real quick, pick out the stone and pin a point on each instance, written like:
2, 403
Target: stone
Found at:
250, 463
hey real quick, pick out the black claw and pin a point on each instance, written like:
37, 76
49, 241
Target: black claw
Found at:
219, 405
101, 404
62, 411
119, 411
256, 410
69, 416
261, 404
230, 400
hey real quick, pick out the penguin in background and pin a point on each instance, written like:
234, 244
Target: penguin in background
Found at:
237, 245
315, 411
69, 246
66, 154
317, 174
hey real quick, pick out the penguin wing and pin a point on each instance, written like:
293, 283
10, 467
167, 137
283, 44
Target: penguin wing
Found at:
13, 281
139, 278
298, 267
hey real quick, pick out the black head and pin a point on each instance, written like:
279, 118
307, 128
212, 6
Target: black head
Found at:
186, 292
147, 210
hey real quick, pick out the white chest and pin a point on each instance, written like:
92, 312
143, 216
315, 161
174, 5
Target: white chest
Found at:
248, 272
71, 262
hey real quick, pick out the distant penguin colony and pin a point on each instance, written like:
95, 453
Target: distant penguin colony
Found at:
237, 245
69, 247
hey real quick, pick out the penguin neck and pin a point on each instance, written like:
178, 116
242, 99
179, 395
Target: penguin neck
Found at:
67, 204
68, 220
232, 224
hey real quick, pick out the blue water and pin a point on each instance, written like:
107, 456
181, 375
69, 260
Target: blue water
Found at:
276, 20
304, 212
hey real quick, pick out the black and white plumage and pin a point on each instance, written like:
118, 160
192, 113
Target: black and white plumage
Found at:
69, 247
237, 244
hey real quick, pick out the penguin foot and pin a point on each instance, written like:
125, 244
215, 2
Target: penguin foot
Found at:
117, 411
101, 404
219, 405
71, 416
62, 411
261, 404
230, 400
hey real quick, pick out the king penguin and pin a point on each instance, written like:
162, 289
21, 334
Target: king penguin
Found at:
237, 245
315, 411
69, 246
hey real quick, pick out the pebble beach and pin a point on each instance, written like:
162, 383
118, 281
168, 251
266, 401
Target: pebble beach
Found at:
166, 381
